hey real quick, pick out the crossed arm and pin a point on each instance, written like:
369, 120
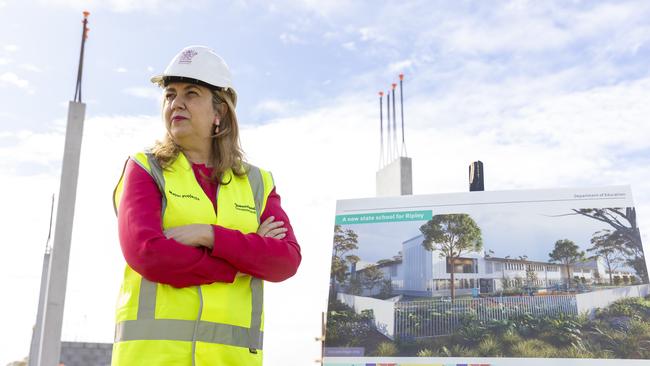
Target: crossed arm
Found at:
200, 254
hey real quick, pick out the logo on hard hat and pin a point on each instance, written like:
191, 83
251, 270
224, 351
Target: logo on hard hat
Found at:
186, 56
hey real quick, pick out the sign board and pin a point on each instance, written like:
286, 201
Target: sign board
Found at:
538, 276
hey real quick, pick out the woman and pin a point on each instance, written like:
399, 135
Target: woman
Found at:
200, 230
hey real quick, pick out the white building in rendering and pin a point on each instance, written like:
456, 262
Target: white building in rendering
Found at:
420, 272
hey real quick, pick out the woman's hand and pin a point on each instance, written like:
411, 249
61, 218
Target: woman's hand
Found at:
202, 235
195, 235
272, 229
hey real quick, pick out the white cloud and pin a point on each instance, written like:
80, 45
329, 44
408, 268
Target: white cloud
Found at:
121, 70
610, 17
477, 35
150, 69
290, 38
400, 66
144, 92
9, 78
629, 40
125, 6
5, 61
41, 148
10, 48
519, 27
274, 107
372, 34
325, 9
330, 35
30, 67
350, 46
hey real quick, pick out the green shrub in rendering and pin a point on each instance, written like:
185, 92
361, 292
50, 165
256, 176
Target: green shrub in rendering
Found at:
345, 328
386, 349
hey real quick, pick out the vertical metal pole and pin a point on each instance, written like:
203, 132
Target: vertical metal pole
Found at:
321, 339
401, 104
393, 85
381, 129
389, 146
58, 274
84, 35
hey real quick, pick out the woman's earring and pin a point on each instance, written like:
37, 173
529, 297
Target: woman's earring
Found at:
216, 122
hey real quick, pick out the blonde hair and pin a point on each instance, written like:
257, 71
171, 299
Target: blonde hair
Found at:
226, 152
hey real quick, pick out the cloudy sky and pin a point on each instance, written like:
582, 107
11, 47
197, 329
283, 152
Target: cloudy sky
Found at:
547, 94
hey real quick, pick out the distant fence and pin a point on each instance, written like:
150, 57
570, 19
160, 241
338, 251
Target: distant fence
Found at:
430, 318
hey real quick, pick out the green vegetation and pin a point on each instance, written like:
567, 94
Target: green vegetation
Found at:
345, 328
386, 289
533, 348
633, 307
425, 352
386, 349
345, 240
567, 253
489, 347
372, 277
622, 330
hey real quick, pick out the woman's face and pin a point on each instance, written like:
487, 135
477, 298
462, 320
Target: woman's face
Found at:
188, 113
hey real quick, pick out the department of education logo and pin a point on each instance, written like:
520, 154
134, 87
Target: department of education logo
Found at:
245, 208
186, 57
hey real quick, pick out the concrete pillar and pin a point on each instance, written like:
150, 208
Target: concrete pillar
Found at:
396, 178
50, 342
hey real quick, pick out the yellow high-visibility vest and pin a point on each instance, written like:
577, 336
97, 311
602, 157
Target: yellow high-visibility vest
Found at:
216, 324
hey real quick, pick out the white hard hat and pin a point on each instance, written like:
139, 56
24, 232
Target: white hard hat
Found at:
199, 65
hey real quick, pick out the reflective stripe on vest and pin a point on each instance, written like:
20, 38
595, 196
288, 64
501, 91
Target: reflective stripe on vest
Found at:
146, 327
184, 330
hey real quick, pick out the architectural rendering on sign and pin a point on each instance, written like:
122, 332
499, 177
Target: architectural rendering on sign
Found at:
518, 275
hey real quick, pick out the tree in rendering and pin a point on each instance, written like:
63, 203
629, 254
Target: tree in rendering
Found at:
567, 253
371, 277
386, 289
623, 221
345, 241
611, 248
452, 235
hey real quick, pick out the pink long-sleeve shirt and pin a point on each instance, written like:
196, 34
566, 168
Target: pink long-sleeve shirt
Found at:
159, 259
